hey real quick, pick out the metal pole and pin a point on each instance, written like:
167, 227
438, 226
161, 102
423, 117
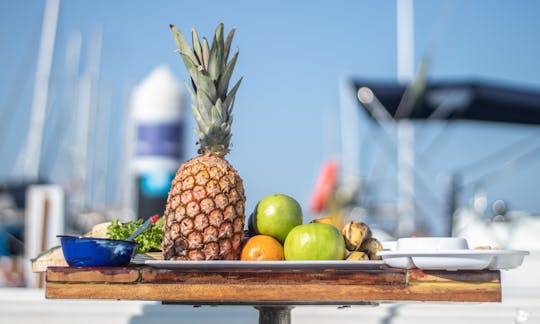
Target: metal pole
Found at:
405, 40
405, 128
274, 314
350, 132
87, 119
455, 182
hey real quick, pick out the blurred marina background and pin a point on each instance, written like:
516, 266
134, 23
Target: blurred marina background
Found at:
93, 109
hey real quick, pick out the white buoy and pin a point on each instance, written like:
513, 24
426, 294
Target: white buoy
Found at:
158, 117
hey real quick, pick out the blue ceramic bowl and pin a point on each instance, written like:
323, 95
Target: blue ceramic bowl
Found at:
80, 251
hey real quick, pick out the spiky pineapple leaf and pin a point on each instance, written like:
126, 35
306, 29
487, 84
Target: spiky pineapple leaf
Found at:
205, 114
196, 45
223, 82
201, 125
205, 53
182, 44
206, 85
218, 115
227, 45
216, 54
191, 93
216, 139
210, 73
230, 97
193, 70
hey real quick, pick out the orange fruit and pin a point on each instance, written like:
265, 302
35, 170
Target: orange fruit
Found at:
262, 248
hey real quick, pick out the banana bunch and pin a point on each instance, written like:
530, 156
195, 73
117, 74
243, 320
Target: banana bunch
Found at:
359, 241
357, 256
371, 246
354, 234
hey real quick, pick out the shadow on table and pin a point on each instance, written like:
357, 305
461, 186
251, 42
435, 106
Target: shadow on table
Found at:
159, 313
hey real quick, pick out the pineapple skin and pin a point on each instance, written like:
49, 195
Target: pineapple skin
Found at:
205, 211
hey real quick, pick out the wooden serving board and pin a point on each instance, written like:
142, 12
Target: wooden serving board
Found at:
272, 287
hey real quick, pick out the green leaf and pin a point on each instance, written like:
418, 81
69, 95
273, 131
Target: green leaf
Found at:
201, 122
205, 53
230, 98
216, 54
196, 45
182, 44
205, 83
228, 43
204, 102
215, 116
191, 93
223, 83
218, 115
193, 70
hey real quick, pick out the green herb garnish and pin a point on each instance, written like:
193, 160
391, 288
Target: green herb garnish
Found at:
149, 240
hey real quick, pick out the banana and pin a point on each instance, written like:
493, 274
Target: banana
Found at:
357, 256
326, 220
371, 246
354, 234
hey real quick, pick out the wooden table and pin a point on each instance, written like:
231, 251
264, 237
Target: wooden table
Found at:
273, 292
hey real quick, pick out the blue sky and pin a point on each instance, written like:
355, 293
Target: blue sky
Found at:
292, 56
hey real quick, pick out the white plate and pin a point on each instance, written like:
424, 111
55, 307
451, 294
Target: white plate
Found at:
454, 259
264, 265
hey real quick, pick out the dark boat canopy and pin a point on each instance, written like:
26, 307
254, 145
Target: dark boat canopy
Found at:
464, 100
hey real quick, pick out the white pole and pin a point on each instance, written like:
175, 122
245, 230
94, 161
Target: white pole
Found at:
88, 102
30, 155
350, 132
63, 162
102, 164
405, 128
405, 40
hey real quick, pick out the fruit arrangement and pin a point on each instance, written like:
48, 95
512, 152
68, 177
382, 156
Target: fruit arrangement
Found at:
204, 215
276, 232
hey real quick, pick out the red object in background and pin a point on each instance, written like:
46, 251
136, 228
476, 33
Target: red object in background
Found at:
325, 184
155, 219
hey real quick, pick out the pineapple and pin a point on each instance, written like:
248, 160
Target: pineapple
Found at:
204, 215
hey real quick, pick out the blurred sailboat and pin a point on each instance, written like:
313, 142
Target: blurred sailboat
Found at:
452, 101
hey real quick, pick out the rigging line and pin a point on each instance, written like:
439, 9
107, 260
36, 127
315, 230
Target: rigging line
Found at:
388, 125
422, 156
56, 117
380, 141
507, 150
68, 113
67, 109
60, 124
14, 97
385, 147
49, 139
506, 167
390, 143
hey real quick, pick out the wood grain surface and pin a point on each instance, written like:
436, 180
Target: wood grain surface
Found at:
282, 286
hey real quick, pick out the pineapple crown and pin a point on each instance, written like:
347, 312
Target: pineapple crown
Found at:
210, 73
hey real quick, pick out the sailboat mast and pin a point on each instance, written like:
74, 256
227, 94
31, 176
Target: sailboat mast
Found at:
405, 128
30, 156
89, 93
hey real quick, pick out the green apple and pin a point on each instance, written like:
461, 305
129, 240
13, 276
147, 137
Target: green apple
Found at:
314, 241
276, 215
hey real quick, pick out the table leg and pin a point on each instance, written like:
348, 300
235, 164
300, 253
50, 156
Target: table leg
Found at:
274, 314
